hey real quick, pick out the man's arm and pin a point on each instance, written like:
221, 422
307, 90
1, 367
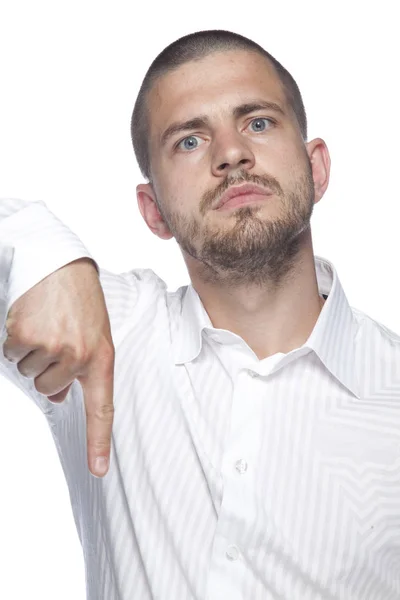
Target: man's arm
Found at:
52, 309
33, 244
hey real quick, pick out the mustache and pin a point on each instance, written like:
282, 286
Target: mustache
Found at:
267, 181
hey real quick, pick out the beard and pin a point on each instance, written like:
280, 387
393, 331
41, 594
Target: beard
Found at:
258, 248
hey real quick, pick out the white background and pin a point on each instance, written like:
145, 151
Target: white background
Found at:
69, 75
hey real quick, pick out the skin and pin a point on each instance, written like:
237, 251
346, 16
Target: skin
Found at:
252, 266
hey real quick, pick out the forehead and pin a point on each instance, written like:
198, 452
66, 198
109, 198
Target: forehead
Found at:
211, 85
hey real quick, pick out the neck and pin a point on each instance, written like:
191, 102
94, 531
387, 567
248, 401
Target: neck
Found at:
270, 319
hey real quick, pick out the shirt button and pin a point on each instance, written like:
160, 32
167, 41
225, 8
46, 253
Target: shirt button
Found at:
232, 552
241, 466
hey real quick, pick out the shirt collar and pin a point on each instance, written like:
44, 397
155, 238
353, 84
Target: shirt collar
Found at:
332, 338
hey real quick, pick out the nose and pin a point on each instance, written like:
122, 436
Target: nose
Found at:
231, 152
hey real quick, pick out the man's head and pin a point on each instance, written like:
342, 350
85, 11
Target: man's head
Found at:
215, 110
192, 48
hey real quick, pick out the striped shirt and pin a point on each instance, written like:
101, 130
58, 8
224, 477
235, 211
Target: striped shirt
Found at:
231, 478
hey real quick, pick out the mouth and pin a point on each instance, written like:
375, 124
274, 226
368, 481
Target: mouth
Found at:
244, 194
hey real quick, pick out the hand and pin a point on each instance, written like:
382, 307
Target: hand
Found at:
59, 331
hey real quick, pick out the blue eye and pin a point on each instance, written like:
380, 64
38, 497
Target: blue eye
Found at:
259, 124
189, 143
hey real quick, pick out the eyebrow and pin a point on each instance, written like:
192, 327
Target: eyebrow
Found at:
202, 121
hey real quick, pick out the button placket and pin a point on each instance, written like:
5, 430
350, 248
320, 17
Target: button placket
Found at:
235, 466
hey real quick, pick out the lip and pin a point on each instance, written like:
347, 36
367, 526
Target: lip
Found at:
242, 190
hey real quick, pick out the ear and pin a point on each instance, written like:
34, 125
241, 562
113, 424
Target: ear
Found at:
320, 160
149, 210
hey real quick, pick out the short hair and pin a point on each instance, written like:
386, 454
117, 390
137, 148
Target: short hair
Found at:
196, 46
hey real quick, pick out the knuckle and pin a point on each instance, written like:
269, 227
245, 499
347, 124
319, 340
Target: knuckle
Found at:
54, 347
13, 349
100, 445
21, 336
71, 353
104, 412
83, 354
80, 354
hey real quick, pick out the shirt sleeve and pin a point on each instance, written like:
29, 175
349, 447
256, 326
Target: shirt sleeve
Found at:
33, 244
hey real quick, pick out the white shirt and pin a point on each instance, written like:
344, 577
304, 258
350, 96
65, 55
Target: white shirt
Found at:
231, 478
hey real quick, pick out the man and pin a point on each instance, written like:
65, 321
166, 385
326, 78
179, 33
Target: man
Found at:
256, 415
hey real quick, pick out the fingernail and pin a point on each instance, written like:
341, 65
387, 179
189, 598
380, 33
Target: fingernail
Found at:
101, 465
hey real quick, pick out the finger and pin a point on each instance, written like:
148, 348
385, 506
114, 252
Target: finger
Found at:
35, 363
55, 378
60, 397
98, 389
15, 352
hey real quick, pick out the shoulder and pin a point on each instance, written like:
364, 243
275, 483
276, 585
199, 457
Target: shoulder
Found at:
378, 359
374, 331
